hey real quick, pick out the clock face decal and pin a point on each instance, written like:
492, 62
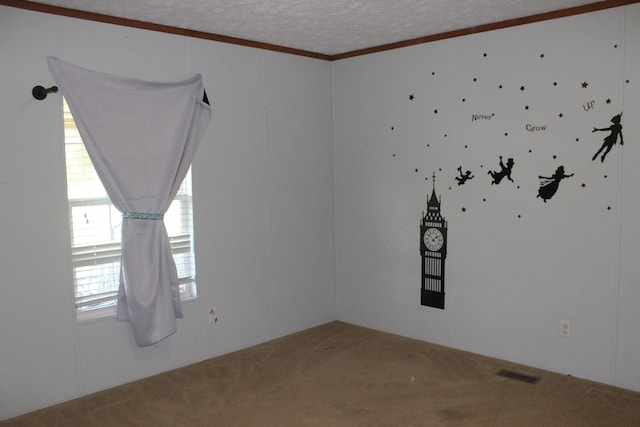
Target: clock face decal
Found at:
433, 239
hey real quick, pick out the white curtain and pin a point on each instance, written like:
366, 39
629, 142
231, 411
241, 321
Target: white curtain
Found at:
141, 137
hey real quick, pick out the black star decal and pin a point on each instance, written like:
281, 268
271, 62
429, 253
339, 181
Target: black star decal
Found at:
608, 101
464, 209
411, 97
561, 115
585, 84
522, 88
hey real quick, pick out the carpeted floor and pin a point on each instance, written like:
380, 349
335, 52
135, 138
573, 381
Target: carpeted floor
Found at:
344, 375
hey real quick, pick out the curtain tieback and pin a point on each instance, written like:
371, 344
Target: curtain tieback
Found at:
142, 215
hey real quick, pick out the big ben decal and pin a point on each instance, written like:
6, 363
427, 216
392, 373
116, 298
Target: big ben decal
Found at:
433, 248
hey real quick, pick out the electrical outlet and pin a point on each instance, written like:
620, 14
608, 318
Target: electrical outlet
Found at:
213, 315
565, 328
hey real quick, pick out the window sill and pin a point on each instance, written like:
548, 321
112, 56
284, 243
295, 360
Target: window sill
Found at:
108, 313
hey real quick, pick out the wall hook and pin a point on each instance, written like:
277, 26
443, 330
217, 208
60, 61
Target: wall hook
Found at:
40, 92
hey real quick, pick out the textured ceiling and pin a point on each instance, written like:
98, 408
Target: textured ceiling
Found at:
321, 26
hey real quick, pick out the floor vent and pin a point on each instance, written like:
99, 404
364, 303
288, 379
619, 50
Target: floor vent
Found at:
517, 376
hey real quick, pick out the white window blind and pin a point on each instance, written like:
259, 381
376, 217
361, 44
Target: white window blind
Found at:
96, 230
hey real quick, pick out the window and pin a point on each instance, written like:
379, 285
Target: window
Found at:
96, 231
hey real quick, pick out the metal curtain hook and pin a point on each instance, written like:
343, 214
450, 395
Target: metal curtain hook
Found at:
40, 92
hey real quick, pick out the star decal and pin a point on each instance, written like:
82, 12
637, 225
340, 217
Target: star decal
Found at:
411, 97
608, 101
584, 85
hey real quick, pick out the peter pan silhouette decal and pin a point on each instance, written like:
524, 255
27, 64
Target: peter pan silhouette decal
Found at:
611, 139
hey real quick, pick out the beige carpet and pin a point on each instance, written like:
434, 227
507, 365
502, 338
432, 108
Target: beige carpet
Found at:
343, 375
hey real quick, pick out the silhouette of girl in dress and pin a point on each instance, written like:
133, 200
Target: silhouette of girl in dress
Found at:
549, 185
610, 140
504, 171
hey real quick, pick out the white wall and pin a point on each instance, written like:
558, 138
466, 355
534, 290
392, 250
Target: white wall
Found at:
516, 266
264, 199
263, 196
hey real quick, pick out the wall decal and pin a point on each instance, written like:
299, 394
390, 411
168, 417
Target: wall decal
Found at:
463, 177
535, 128
538, 115
475, 117
505, 171
549, 185
611, 139
433, 248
